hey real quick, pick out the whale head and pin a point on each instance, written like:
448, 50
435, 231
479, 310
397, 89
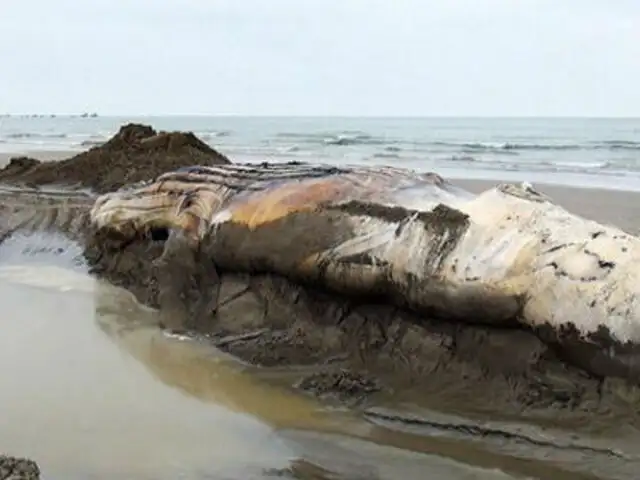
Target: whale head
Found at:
164, 204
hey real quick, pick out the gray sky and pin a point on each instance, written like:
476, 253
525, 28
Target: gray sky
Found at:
328, 57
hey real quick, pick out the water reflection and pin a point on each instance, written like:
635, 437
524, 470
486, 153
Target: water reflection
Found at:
83, 407
203, 372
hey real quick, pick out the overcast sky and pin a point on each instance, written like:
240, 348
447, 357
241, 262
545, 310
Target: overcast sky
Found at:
328, 57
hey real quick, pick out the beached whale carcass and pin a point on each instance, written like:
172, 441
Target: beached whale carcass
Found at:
506, 257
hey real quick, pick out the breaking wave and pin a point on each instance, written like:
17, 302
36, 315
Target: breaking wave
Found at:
341, 138
21, 135
492, 146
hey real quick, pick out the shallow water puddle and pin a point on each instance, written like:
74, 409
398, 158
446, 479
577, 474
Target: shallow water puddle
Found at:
79, 405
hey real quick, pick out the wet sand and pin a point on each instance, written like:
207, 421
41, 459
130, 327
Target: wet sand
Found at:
84, 408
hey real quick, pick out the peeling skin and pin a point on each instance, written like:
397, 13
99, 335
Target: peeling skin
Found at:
570, 270
508, 256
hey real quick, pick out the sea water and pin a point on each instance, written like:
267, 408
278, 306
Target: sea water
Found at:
599, 152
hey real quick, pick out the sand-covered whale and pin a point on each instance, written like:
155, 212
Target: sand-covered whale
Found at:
506, 257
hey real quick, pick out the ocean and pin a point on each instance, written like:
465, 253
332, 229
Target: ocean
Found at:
591, 152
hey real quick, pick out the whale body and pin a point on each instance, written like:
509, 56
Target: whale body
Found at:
507, 257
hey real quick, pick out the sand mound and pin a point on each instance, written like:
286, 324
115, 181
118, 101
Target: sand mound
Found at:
136, 152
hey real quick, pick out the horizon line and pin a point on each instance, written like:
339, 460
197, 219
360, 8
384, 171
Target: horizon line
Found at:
341, 116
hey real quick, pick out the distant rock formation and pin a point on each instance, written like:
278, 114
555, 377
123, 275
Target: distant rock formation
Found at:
137, 152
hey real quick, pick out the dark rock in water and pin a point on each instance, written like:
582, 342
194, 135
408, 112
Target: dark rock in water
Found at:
342, 384
12, 468
301, 469
135, 153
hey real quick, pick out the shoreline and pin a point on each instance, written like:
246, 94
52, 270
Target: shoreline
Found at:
474, 179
